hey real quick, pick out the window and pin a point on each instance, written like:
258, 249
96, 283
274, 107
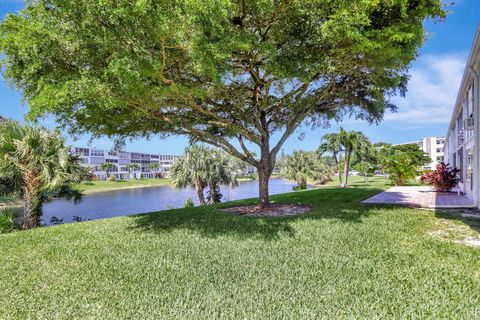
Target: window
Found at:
469, 175
96, 153
460, 162
439, 150
82, 151
111, 160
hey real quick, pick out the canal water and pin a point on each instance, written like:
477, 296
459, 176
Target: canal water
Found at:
132, 201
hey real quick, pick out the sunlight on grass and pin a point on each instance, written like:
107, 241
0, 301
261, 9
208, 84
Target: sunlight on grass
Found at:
342, 260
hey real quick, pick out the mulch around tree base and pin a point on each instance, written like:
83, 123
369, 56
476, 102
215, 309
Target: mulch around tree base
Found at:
273, 210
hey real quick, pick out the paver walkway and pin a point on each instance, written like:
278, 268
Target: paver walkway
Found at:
420, 197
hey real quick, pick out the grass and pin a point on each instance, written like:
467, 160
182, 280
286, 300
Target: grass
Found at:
9, 201
99, 186
343, 260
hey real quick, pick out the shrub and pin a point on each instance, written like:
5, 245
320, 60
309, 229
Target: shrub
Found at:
300, 187
8, 220
111, 178
443, 178
401, 167
189, 203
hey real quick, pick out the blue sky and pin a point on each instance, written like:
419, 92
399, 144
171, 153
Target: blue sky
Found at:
426, 110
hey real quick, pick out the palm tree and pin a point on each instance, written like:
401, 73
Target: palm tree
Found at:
35, 164
331, 143
154, 166
132, 168
221, 169
108, 167
190, 170
353, 143
300, 166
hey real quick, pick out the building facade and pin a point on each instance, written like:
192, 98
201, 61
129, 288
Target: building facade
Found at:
433, 146
94, 158
463, 136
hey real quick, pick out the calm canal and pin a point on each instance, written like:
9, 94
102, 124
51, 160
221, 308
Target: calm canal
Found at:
132, 201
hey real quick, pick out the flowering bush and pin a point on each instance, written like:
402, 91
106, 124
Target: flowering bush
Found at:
443, 178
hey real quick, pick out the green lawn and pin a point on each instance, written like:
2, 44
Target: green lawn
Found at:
343, 260
97, 186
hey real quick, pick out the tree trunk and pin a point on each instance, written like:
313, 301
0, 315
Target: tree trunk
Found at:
338, 169
263, 177
213, 193
199, 189
32, 203
346, 169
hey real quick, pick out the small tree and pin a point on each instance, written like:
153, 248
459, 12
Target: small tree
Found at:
331, 144
443, 178
108, 167
366, 169
222, 169
190, 170
348, 143
302, 165
36, 165
154, 167
132, 168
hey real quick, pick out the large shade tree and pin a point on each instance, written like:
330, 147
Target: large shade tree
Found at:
35, 164
231, 73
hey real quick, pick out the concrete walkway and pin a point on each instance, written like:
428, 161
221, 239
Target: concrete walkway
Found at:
420, 197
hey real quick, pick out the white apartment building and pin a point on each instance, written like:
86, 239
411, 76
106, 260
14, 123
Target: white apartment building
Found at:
462, 147
93, 158
433, 146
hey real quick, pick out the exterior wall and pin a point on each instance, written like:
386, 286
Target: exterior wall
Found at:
93, 157
433, 146
462, 144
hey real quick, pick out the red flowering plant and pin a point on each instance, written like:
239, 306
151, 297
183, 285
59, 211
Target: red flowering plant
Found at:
443, 178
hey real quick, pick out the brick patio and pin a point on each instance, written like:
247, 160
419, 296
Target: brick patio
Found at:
420, 197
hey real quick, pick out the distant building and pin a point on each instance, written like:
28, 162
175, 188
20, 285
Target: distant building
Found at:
462, 148
93, 158
433, 146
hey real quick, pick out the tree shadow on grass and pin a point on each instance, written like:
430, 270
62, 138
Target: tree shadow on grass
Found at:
342, 205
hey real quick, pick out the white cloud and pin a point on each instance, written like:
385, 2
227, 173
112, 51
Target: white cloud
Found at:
432, 91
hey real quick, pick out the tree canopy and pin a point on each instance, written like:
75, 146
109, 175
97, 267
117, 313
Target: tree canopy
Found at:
222, 72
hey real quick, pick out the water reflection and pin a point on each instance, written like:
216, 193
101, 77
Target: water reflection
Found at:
132, 201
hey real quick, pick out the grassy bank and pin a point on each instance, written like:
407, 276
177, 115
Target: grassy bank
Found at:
99, 186
343, 260
9, 201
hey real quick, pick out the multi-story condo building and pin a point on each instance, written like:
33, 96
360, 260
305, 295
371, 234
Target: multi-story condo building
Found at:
93, 158
433, 146
462, 147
